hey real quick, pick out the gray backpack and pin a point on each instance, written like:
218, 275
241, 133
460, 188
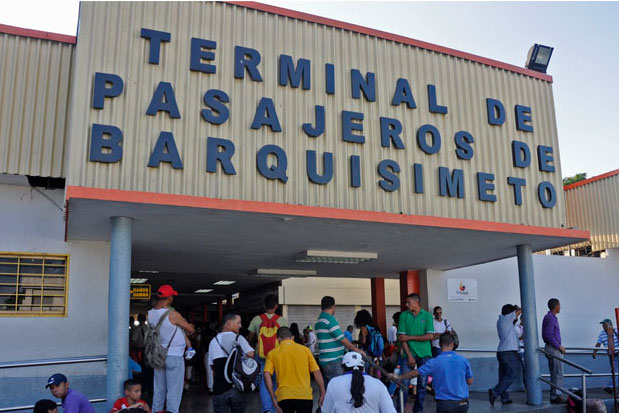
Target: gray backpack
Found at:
154, 353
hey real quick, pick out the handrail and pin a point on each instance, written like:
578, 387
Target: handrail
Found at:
51, 362
580, 375
563, 389
17, 408
569, 350
566, 361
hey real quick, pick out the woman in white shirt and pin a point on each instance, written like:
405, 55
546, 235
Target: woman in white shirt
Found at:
356, 392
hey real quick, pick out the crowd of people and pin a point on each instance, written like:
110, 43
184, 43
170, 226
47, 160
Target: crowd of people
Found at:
362, 375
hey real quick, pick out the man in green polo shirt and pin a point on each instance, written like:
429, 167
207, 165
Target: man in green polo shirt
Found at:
331, 341
415, 331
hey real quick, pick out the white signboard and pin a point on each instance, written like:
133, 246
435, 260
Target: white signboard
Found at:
462, 290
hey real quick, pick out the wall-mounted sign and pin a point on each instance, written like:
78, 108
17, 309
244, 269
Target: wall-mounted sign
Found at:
462, 290
140, 291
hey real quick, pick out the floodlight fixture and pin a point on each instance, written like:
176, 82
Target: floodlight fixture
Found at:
539, 57
281, 273
335, 257
138, 280
224, 282
203, 290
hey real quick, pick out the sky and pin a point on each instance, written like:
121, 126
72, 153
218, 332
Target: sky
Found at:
584, 63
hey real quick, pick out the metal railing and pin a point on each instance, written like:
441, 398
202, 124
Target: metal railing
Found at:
49, 362
585, 371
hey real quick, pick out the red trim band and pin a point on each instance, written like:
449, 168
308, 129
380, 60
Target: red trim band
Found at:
390, 36
154, 198
37, 34
590, 180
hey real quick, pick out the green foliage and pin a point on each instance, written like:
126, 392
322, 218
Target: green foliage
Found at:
572, 179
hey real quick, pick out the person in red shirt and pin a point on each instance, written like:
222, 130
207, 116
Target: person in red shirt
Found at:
133, 392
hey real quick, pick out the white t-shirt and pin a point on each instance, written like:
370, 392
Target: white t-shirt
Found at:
439, 328
167, 331
226, 339
392, 334
311, 342
339, 399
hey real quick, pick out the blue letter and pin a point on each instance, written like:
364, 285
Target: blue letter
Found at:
547, 194
266, 115
436, 139
213, 99
483, 186
463, 143
327, 166
278, 169
450, 185
355, 171
521, 155
544, 156
523, 114
100, 92
517, 183
213, 155
164, 100
390, 130
98, 143
496, 112
320, 123
165, 151
348, 126
288, 72
358, 84
434, 107
329, 79
403, 93
197, 55
246, 58
156, 38
388, 170
418, 170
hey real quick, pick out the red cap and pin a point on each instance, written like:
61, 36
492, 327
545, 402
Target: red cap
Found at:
165, 291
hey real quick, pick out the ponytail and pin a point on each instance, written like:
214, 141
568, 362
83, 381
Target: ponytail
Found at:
357, 387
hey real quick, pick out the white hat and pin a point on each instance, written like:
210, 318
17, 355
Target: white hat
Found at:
353, 359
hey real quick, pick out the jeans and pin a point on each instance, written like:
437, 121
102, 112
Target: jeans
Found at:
231, 401
332, 370
296, 406
421, 382
168, 385
556, 370
448, 406
509, 363
265, 397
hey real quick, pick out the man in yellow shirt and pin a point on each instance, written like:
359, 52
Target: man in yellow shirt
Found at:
292, 364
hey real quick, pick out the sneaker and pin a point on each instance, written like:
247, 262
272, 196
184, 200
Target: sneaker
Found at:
491, 397
558, 400
510, 401
190, 353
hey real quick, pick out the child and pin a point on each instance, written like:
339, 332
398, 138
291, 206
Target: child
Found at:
133, 392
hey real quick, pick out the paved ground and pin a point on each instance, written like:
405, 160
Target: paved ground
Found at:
196, 400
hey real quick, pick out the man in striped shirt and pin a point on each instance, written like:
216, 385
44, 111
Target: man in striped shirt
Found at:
331, 341
603, 340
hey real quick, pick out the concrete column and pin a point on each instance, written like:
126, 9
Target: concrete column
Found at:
379, 312
409, 283
220, 310
529, 322
118, 308
285, 312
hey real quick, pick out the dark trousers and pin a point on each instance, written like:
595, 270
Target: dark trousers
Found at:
231, 401
509, 363
296, 406
448, 406
436, 352
421, 385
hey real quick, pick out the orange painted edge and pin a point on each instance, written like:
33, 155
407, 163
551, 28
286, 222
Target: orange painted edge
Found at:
590, 180
154, 198
389, 36
37, 34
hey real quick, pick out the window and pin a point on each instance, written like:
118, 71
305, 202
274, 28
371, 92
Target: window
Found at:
33, 285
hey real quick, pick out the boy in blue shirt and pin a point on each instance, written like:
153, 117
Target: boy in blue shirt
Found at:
451, 375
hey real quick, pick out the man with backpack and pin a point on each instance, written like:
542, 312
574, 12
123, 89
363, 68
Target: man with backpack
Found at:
263, 332
223, 355
441, 325
165, 346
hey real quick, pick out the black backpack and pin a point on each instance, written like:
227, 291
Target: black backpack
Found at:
241, 371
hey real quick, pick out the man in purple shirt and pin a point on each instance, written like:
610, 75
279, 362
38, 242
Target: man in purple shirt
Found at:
72, 401
551, 334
